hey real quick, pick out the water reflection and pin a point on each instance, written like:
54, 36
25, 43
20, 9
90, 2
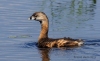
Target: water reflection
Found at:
45, 54
71, 14
94, 1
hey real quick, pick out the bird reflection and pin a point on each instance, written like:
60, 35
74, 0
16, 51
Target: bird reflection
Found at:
46, 51
45, 54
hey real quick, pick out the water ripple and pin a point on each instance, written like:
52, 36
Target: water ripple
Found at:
30, 45
92, 42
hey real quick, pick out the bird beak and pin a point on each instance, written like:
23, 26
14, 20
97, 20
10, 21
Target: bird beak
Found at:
31, 18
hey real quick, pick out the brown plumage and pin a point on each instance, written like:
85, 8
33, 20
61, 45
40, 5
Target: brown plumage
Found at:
45, 41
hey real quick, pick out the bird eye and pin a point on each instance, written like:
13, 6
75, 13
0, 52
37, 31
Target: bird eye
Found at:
36, 15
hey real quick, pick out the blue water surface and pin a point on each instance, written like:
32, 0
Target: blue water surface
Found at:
67, 18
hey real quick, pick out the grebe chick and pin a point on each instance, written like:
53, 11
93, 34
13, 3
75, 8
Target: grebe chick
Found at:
45, 41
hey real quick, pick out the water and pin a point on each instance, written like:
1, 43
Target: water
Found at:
70, 18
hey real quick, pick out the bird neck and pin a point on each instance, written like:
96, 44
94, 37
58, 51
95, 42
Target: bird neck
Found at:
44, 29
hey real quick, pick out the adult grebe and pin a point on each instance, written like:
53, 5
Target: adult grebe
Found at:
45, 41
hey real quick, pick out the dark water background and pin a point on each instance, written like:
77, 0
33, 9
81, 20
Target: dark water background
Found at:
70, 18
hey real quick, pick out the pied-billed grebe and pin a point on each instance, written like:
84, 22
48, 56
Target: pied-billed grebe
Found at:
45, 41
